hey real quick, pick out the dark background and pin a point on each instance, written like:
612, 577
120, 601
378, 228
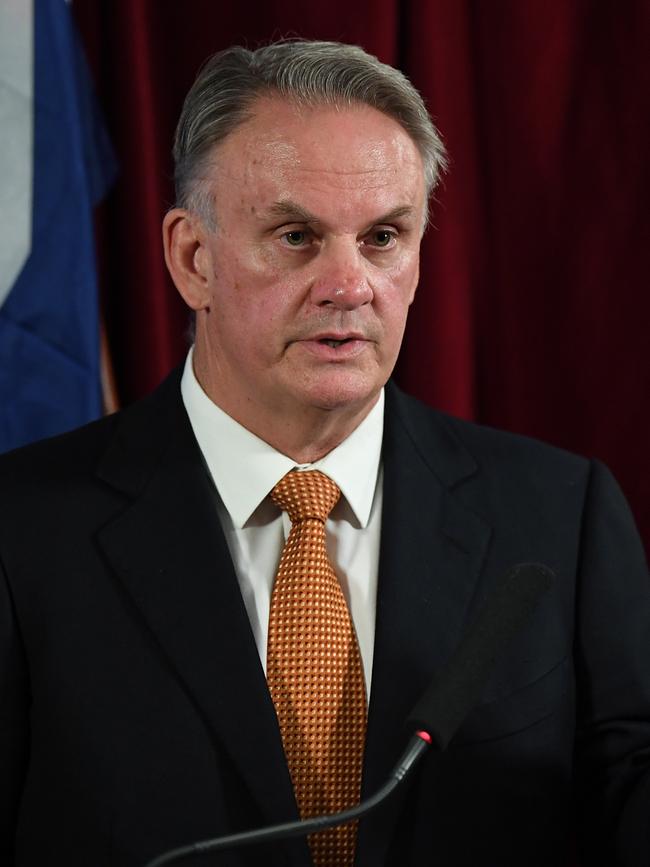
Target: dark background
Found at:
532, 312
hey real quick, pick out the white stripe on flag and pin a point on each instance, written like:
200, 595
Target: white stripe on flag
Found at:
16, 138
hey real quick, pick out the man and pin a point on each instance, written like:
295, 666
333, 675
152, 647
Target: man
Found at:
146, 696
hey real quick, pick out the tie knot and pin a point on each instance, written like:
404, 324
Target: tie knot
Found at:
307, 494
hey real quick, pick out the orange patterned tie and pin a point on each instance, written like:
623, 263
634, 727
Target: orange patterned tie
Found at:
314, 668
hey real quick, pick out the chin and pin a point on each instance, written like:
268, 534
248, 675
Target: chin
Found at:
342, 392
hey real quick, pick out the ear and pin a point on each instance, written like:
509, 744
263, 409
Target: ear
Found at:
186, 256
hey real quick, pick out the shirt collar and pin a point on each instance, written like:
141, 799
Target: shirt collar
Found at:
245, 468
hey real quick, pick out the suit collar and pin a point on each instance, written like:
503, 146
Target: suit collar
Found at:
421, 431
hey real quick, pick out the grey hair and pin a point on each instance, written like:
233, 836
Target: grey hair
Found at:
306, 72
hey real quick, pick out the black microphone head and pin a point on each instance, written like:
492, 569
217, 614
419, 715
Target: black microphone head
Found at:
457, 688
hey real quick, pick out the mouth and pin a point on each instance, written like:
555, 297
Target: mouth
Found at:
335, 347
334, 342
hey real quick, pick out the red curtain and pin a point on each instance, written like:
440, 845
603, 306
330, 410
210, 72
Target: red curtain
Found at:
533, 307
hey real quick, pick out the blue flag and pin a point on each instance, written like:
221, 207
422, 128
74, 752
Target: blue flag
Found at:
50, 376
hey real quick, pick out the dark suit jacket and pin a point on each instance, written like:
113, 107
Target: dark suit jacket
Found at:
134, 711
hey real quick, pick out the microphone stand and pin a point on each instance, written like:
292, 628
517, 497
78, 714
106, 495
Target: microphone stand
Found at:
417, 746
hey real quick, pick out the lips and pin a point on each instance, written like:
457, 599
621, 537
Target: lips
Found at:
334, 341
334, 347
334, 338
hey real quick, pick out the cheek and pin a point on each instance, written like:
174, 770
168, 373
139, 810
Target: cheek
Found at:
407, 272
255, 273
253, 299
398, 287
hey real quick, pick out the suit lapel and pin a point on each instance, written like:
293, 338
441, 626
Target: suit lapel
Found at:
169, 551
432, 550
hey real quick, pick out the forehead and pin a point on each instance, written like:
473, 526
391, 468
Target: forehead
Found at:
300, 153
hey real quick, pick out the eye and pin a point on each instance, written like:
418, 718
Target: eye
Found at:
382, 238
295, 238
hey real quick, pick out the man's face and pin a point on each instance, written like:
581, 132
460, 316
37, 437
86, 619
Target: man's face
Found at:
313, 262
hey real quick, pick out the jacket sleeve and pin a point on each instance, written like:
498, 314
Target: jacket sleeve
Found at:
613, 675
14, 722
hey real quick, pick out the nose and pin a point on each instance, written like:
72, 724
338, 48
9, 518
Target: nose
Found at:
341, 280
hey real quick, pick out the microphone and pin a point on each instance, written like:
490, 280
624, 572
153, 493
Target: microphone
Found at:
452, 694
437, 715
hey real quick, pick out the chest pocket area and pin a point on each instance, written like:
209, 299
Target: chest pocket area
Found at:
520, 709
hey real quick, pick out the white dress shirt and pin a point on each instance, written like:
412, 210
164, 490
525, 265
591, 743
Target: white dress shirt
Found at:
244, 469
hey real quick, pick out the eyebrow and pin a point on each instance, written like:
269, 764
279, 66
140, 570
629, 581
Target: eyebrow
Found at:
396, 213
298, 214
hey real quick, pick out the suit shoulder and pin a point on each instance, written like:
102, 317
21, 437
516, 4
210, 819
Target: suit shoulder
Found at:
61, 456
75, 454
490, 448
501, 445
